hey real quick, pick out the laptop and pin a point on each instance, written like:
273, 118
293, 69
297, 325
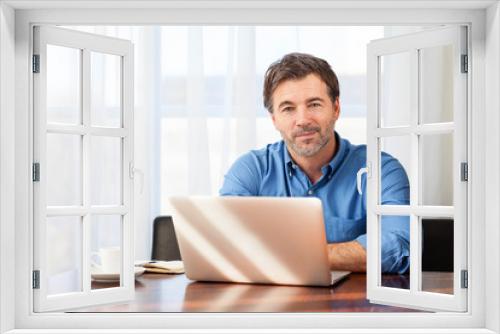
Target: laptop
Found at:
267, 240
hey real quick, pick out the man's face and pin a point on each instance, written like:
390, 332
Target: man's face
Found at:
304, 114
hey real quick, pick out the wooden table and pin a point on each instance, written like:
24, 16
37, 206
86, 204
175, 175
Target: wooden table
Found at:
175, 293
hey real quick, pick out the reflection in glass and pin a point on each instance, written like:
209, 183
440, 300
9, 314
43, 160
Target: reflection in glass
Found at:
106, 90
437, 254
64, 254
394, 91
64, 169
436, 84
394, 251
395, 170
436, 175
63, 85
106, 170
106, 250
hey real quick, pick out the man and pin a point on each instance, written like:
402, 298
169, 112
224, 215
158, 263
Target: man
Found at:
301, 93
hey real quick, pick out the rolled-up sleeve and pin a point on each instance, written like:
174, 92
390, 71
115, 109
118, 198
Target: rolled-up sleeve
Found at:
395, 234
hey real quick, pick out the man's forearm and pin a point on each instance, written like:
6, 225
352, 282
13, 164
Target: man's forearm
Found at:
349, 256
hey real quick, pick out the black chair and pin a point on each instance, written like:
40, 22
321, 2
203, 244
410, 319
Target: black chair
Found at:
165, 246
437, 248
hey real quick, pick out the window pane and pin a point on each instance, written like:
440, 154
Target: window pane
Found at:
436, 84
395, 160
64, 169
394, 92
106, 91
63, 85
437, 254
64, 254
106, 248
106, 170
436, 175
394, 251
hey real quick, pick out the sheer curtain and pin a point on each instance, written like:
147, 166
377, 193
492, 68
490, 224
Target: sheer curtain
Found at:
210, 106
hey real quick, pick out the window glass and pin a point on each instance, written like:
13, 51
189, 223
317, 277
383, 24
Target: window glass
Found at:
64, 254
436, 84
105, 87
64, 169
63, 85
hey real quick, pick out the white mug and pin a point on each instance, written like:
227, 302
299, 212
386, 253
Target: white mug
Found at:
110, 259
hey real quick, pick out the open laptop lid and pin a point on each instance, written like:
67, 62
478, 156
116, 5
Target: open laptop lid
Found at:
252, 239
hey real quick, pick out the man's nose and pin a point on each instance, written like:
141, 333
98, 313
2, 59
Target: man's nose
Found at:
303, 117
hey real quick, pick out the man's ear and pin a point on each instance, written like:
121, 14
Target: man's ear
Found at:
336, 108
272, 118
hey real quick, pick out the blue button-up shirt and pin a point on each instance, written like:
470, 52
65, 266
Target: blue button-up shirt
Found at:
271, 172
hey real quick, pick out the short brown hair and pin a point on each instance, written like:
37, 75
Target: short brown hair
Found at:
295, 66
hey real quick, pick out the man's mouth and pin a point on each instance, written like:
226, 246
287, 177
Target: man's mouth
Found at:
305, 134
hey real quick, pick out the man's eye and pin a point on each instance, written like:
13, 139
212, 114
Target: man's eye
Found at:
315, 105
287, 109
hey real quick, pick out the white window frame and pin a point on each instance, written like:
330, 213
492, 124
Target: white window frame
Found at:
483, 18
456, 36
87, 43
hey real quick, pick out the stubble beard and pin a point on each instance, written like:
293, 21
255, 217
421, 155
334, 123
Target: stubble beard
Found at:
309, 150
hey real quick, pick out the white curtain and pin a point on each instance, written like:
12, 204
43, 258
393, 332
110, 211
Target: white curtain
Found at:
210, 123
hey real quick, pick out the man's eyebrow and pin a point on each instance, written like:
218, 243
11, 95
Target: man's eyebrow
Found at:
313, 99
309, 100
285, 103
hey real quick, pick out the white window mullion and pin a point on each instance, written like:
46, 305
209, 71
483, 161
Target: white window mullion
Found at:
373, 179
127, 93
415, 185
427, 129
66, 129
108, 132
86, 129
54, 211
419, 210
87, 220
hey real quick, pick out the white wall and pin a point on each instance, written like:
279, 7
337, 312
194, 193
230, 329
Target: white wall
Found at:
6, 167
492, 165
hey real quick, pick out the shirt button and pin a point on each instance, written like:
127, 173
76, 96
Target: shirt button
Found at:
310, 192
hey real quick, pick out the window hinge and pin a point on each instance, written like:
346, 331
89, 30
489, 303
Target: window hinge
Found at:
36, 279
464, 279
36, 172
465, 64
464, 171
36, 63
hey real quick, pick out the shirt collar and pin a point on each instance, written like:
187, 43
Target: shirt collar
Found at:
331, 166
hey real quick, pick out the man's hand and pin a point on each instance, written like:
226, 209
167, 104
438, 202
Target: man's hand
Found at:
349, 256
